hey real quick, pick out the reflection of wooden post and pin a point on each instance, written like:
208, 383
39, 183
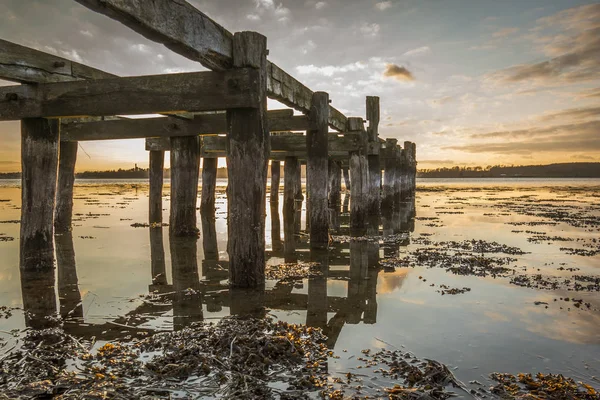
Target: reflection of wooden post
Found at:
185, 165
335, 188
68, 285
209, 183
187, 300
39, 161
157, 257
39, 298
275, 179
157, 162
359, 178
316, 308
209, 235
374, 164
64, 193
317, 171
359, 265
247, 158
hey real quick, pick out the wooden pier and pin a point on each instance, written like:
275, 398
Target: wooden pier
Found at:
205, 115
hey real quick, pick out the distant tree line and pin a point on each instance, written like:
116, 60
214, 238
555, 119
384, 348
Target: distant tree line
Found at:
563, 170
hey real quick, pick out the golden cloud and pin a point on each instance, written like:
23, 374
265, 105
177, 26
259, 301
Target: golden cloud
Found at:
398, 72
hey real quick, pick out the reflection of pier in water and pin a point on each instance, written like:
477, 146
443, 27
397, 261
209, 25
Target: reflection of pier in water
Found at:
355, 261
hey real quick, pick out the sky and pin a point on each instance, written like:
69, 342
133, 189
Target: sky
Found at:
471, 82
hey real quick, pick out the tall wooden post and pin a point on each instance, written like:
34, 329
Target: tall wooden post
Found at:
389, 177
64, 194
374, 180
403, 173
346, 178
317, 170
185, 166
157, 163
209, 183
39, 162
359, 178
291, 183
275, 179
400, 176
247, 158
414, 167
335, 188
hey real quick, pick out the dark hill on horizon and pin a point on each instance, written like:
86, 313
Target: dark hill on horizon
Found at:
559, 170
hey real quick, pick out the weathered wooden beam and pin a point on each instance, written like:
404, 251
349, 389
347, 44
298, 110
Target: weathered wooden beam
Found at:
63, 213
317, 170
39, 162
190, 33
290, 143
200, 124
25, 65
176, 24
156, 165
185, 165
197, 91
247, 158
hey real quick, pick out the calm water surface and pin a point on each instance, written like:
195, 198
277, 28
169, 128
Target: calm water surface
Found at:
496, 326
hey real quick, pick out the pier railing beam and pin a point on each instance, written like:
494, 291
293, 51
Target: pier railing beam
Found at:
317, 170
185, 165
247, 159
157, 162
39, 162
63, 214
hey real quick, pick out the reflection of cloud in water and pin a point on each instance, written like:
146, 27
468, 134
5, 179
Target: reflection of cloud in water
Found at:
390, 282
496, 316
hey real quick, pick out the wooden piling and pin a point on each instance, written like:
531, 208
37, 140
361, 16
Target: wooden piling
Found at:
247, 157
157, 161
291, 183
389, 177
275, 179
346, 174
39, 162
185, 165
374, 180
209, 183
359, 178
317, 170
335, 188
63, 214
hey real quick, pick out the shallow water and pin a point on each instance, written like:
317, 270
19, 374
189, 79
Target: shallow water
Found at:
496, 326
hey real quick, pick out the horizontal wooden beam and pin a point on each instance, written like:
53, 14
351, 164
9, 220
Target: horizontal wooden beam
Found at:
197, 91
24, 65
200, 124
192, 34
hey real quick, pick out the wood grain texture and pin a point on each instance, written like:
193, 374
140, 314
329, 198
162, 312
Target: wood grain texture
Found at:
209, 183
199, 124
185, 165
197, 91
157, 162
39, 162
317, 170
275, 180
247, 158
63, 214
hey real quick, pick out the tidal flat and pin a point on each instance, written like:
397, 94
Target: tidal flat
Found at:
467, 281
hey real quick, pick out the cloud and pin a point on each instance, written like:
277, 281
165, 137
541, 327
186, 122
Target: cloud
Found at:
398, 72
253, 17
504, 32
269, 7
573, 50
370, 30
581, 113
320, 5
440, 101
589, 93
383, 5
590, 127
330, 70
308, 47
418, 51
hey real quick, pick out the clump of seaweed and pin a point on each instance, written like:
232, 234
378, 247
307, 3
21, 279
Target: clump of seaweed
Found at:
292, 271
541, 386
